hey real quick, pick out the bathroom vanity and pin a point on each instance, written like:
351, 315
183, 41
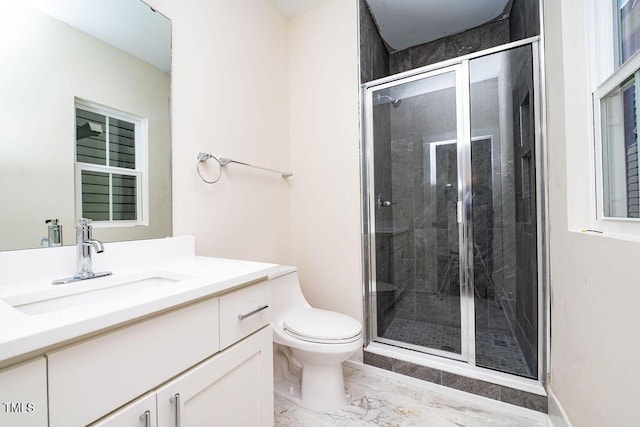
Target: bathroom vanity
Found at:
176, 340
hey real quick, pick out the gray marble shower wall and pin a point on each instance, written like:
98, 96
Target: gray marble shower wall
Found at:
378, 60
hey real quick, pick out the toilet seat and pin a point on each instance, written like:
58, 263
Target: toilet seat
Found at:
321, 326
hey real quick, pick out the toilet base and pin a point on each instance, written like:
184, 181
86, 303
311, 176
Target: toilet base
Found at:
322, 387
319, 396
317, 385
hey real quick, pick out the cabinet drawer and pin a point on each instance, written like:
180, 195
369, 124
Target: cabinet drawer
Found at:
243, 312
23, 394
110, 370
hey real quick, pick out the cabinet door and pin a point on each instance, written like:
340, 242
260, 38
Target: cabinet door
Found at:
140, 413
232, 388
23, 394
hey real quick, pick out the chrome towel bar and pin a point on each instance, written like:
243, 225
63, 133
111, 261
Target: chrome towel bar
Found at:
224, 161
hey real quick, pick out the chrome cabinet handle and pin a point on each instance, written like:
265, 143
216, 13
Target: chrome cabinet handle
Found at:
146, 417
176, 401
251, 313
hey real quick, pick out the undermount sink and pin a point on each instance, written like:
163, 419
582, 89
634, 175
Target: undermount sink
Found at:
92, 291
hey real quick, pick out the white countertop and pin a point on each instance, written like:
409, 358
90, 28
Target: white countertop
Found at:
22, 333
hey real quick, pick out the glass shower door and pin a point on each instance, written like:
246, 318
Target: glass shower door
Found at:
504, 220
416, 128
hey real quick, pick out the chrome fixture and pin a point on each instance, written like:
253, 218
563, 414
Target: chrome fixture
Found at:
384, 203
54, 234
224, 161
393, 101
84, 243
251, 313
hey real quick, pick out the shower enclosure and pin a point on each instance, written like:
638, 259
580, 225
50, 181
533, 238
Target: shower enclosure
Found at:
453, 213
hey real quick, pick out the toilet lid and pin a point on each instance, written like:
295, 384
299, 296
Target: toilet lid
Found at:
321, 326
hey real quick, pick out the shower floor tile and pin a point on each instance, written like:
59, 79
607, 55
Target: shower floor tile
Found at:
494, 351
424, 334
501, 352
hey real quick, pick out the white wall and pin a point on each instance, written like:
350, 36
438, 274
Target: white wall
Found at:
230, 98
45, 65
248, 84
594, 279
324, 132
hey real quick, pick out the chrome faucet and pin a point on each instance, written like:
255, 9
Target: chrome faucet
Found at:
54, 234
84, 243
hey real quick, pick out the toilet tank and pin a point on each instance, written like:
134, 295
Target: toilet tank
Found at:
285, 291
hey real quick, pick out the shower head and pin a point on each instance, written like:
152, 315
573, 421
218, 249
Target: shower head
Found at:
394, 102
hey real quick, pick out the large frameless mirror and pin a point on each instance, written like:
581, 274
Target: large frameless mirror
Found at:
85, 120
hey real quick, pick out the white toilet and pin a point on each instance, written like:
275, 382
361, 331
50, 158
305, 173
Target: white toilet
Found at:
309, 346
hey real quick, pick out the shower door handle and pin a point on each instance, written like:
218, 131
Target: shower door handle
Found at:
384, 203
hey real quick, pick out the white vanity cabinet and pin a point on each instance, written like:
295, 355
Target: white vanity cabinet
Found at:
171, 369
233, 388
23, 394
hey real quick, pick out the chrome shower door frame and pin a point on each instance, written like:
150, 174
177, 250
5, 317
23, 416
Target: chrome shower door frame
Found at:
463, 141
461, 65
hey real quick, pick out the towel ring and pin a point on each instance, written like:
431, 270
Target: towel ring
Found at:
203, 157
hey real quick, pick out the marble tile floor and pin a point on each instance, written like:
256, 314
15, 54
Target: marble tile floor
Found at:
378, 400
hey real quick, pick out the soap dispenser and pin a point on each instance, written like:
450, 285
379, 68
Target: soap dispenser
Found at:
54, 234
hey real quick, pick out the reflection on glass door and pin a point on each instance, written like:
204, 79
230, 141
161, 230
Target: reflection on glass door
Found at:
505, 268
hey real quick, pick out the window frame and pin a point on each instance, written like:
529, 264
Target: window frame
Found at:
141, 171
606, 75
